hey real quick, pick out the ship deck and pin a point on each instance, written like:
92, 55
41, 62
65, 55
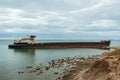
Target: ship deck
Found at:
63, 45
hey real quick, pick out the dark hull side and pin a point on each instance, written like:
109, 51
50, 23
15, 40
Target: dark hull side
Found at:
63, 45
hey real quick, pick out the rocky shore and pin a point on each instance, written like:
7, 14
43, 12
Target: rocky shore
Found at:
104, 67
63, 69
107, 67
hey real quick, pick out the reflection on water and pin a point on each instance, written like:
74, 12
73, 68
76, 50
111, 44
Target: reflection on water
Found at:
25, 51
24, 56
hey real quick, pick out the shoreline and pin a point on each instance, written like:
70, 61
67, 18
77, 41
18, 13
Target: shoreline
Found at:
104, 68
68, 65
80, 67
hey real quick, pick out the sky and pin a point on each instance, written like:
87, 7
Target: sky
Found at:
60, 18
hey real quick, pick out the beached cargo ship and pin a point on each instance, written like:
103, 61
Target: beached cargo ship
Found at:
29, 42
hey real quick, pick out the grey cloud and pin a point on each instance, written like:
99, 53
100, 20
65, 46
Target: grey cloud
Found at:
54, 5
82, 17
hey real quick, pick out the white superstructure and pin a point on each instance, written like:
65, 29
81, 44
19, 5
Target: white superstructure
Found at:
27, 40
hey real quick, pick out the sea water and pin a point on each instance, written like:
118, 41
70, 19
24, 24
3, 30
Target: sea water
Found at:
14, 60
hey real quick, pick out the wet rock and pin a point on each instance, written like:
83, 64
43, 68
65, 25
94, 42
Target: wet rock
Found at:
29, 67
47, 68
32, 71
20, 72
59, 78
56, 73
40, 72
37, 68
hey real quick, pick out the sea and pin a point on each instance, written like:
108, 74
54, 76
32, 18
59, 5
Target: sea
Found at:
14, 60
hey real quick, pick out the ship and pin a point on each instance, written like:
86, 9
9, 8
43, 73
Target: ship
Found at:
29, 42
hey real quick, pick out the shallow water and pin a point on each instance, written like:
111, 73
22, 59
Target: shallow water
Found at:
14, 60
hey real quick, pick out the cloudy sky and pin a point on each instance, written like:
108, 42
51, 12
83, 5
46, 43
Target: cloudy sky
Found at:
60, 18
